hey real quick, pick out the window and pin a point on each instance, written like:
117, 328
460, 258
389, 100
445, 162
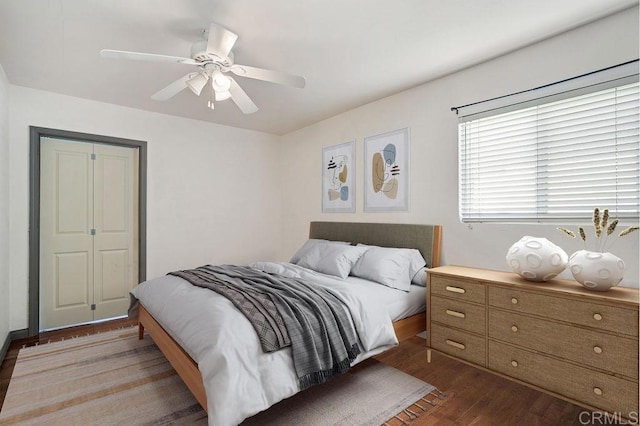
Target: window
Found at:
553, 161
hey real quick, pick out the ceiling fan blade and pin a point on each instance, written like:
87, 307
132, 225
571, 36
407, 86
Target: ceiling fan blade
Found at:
220, 40
241, 98
268, 75
173, 89
137, 56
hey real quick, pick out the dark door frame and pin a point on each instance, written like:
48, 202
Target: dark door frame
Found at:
35, 134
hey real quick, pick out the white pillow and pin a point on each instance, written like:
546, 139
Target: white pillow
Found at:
393, 267
309, 244
332, 259
420, 278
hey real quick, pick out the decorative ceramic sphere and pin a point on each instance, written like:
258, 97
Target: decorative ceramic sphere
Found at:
536, 259
596, 271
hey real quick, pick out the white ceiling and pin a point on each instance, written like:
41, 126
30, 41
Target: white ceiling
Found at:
350, 51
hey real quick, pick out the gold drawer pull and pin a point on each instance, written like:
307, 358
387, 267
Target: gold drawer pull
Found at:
455, 344
514, 328
455, 289
597, 349
514, 363
514, 301
597, 317
455, 313
597, 391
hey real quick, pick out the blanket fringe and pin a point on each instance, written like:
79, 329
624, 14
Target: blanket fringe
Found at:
418, 408
322, 376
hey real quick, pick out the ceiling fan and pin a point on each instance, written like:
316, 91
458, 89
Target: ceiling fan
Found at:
214, 60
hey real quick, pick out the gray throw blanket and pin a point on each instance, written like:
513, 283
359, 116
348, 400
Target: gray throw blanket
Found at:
317, 325
256, 305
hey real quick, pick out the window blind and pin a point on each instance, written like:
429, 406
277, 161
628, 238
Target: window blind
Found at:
554, 161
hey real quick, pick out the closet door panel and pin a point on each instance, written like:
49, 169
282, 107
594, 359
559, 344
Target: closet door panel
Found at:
115, 222
66, 243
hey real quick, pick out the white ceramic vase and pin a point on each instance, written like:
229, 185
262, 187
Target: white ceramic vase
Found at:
536, 259
596, 271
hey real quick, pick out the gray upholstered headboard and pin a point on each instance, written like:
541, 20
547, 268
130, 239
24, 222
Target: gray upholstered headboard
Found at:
426, 238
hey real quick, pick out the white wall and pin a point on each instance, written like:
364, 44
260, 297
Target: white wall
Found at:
213, 191
4, 207
433, 134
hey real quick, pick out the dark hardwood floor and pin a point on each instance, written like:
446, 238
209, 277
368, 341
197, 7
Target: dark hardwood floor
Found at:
474, 397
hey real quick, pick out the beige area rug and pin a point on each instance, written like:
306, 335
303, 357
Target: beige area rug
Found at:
113, 378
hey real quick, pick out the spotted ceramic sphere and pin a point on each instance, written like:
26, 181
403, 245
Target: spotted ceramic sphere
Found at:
536, 259
596, 271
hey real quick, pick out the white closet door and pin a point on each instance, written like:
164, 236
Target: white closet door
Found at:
88, 231
66, 243
115, 242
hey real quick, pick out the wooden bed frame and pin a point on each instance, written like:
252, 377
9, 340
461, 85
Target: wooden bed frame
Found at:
426, 238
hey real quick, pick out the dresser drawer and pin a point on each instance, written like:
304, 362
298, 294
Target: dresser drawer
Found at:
459, 344
597, 389
459, 314
603, 317
591, 348
467, 291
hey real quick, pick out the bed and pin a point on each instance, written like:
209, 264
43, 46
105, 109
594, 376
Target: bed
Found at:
425, 238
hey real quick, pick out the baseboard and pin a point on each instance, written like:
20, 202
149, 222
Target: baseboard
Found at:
19, 334
5, 347
13, 335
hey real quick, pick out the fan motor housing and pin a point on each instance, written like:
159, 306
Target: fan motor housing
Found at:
199, 53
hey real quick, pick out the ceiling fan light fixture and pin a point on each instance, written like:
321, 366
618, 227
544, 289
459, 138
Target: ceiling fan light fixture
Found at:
221, 85
222, 95
220, 82
197, 83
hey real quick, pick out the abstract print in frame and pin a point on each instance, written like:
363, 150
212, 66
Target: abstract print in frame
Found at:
386, 172
338, 178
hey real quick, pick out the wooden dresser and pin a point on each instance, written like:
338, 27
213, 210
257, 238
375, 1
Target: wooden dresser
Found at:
558, 337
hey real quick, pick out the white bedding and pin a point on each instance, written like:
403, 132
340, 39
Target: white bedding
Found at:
240, 379
399, 304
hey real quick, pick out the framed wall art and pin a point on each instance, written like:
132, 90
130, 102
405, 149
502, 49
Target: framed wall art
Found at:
338, 178
386, 172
